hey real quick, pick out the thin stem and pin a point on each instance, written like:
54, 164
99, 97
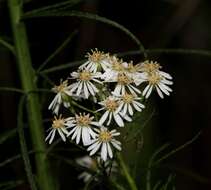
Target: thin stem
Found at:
7, 45
125, 169
27, 76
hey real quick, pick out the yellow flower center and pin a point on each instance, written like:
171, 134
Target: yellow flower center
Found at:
128, 98
83, 120
96, 56
58, 122
149, 66
61, 87
111, 105
123, 79
85, 75
105, 136
154, 78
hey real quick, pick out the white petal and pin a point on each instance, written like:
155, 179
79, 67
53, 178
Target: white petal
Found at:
61, 134
159, 92
109, 150
104, 151
86, 92
116, 145
104, 117
149, 91
95, 149
78, 135
118, 120
52, 136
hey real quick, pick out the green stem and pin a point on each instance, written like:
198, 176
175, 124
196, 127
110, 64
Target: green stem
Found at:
128, 177
27, 76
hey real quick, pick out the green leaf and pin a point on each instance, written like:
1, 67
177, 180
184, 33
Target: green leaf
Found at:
58, 50
88, 16
177, 149
10, 89
55, 7
179, 51
7, 45
62, 67
140, 121
6, 135
10, 184
24, 151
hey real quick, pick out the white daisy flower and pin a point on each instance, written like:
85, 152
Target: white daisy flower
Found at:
129, 102
84, 86
59, 125
96, 61
87, 162
158, 80
94, 165
112, 107
116, 66
125, 84
104, 139
148, 66
63, 91
82, 128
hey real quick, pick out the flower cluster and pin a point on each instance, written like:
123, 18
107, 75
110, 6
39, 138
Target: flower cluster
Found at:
114, 89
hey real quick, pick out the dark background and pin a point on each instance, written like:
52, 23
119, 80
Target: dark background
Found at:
158, 24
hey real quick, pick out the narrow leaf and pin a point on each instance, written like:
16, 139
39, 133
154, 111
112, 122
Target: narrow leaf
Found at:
6, 135
7, 45
91, 17
58, 50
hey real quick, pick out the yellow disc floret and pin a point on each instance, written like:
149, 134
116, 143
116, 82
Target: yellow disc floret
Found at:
58, 122
85, 75
83, 120
105, 136
111, 105
96, 56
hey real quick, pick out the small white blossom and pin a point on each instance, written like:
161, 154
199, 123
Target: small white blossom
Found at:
84, 85
94, 165
59, 125
129, 102
82, 128
104, 140
63, 91
96, 61
116, 66
112, 106
155, 78
125, 84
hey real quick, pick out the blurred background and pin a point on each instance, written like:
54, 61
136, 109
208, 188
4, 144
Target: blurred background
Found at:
158, 24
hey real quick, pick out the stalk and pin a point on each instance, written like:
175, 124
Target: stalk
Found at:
27, 76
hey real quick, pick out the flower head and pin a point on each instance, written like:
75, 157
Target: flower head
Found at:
104, 139
82, 128
60, 125
62, 92
112, 108
96, 61
84, 85
129, 102
155, 78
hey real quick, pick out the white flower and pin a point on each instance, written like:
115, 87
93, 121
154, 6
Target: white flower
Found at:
84, 86
125, 84
104, 139
82, 128
63, 91
112, 107
89, 163
96, 60
130, 102
116, 66
59, 125
94, 166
